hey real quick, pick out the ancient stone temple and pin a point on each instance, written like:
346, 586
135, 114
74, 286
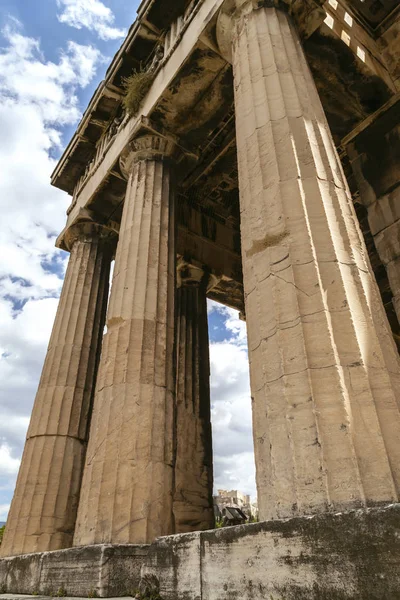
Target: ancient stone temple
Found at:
253, 159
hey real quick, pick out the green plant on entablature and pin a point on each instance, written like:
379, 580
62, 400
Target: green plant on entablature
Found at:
136, 87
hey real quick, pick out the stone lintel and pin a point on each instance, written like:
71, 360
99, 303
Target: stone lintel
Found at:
307, 14
89, 571
373, 149
382, 120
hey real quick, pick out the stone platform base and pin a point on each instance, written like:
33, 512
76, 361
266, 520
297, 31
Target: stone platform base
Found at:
354, 555
26, 597
91, 571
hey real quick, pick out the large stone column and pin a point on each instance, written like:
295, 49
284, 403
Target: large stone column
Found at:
374, 152
324, 368
43, 510
193, 499
127, 485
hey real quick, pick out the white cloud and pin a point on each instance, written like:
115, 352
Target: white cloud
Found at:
4, 508
8, 474
231, 405
92, 14
236, 472
9, 465
235, 327
37, 97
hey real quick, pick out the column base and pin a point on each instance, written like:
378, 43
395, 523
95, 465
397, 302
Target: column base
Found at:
345, 556
100, 571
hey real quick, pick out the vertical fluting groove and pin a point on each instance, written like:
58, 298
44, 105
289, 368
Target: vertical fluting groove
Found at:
40, 405
297, 144
317, 364
193, 481
144, 241
360, 304
368, 299
75, 334
156, 411
127, 483
64, 311
266, 99
43, 511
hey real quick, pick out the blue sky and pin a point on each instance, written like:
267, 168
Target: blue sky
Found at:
53, 54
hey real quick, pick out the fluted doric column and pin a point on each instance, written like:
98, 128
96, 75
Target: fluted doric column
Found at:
324, 368
126, 492
193, 489
43, 510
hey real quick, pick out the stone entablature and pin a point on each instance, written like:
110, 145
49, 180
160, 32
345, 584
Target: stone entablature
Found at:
103, 179
108, 96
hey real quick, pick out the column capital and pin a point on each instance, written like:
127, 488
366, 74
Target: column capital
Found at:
307, 14
188, 275
191, 275
86, 231
148, 146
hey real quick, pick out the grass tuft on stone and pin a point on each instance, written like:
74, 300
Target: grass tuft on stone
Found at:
136, 87
60, 593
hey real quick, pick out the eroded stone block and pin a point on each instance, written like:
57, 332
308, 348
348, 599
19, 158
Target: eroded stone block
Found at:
23, 573
120, 569
176, 562
89, 571
354, 555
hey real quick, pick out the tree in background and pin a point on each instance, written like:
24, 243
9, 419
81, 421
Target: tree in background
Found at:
2, 533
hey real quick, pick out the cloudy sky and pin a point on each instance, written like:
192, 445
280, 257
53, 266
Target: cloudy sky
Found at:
53, 53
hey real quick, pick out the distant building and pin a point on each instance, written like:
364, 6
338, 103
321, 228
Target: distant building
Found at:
235, 499
231, 515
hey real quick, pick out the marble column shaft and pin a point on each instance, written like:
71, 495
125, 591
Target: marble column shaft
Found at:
126, 492
43, 510
193, 486
324, 367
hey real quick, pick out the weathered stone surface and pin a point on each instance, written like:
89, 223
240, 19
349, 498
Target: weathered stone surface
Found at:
41, 597
349, 556
323, 364
92, 571
127, 484
21, 574
176, 561
374, 151
121, 569
389, 44
43, 510
193, 500
345, 556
